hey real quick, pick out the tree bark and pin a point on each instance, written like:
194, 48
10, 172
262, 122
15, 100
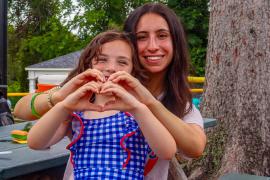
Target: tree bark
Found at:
237, 87
175, 171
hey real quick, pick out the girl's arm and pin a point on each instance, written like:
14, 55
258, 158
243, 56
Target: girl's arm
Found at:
49, 129
23, 108
190, 138
43, 133
157, 136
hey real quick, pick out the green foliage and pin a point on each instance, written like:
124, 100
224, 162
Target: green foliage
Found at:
93, 17
14, 87
198, 55
43, 29
36, 34
195, 16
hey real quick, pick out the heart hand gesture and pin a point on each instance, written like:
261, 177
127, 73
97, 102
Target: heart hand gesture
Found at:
122, 100
79, 100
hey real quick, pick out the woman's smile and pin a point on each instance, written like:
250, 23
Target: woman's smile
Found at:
154, 60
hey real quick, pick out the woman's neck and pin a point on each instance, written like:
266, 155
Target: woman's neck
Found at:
156, 83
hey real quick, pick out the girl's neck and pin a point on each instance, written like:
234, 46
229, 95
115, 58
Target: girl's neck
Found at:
100, 100
155, 83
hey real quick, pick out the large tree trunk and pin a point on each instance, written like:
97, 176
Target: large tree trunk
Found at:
237, 88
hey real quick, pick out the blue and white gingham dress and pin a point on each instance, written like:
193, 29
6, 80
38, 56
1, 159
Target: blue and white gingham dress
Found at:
108, 148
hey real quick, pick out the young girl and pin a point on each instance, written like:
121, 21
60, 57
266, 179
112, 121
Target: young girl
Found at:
111, 130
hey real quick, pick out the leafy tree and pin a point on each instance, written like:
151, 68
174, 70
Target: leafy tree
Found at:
92, 17
36, 34
194, 15
43, 29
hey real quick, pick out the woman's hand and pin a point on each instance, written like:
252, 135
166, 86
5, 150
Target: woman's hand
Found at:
122, 100
76, 82
133, 86
80, 99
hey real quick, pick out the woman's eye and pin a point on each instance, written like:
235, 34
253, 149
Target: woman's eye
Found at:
163, 36
141, 37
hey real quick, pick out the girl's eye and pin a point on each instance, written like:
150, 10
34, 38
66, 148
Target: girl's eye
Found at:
101, 60
122, 62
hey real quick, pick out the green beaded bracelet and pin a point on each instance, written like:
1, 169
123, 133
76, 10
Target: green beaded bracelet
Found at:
33, 110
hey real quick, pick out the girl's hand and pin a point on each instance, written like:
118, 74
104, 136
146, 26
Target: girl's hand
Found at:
76, 82
80, 99
132, 85
122, 101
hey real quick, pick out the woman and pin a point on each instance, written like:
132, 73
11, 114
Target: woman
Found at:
162, 50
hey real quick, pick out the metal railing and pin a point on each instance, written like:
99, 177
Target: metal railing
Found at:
191, 79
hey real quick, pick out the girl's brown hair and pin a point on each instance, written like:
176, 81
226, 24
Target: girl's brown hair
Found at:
93, 49
177, 97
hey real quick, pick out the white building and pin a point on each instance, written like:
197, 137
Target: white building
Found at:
57, 68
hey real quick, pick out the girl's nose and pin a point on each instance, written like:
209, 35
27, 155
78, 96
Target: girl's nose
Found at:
110, 69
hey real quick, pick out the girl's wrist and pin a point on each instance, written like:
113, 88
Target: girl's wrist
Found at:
62, 105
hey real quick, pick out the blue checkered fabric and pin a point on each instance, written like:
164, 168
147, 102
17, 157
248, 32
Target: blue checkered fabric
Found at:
98, 154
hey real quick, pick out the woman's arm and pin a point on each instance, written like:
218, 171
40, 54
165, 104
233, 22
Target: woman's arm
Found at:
190, 138
23, 106
157, 136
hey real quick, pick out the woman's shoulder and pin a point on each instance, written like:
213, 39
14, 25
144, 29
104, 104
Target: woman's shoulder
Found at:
194, 116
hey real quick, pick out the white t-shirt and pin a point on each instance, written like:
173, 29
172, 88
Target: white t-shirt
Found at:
160, 170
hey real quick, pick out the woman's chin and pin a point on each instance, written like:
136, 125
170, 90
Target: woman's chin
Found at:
154, 69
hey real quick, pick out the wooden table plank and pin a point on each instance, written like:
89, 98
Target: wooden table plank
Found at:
24, 160
237, 176
209, 122
5, 130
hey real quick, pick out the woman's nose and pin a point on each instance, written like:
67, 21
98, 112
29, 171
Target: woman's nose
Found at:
152, 45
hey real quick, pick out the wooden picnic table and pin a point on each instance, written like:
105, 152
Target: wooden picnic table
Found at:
24, 160
237, 176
